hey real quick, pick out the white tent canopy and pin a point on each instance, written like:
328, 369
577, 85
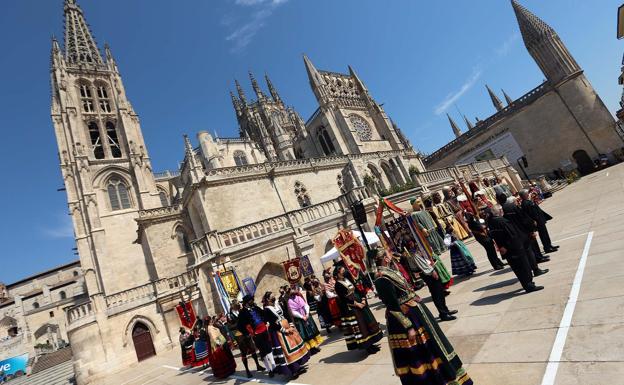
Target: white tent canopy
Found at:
333, 254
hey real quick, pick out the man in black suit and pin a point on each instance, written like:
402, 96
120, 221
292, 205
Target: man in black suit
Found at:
509, 239
527, 228
540, 218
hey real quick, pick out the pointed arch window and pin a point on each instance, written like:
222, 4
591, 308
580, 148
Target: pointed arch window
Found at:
330, 144
301, 192
96, 140
326, 143
164, 201
118, 194
102, 94
240, 158
86, 97
183, 242
323, 144
62, 295
113, 140
361, 126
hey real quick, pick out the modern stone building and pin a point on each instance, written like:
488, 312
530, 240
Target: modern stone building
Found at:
280, 190
32, 310
561, 123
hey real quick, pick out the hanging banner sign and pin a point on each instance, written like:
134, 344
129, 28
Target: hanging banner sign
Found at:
249, 285
14, 366
230, 283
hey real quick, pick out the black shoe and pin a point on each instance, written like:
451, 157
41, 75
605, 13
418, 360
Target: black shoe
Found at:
543, 259
372, 349
249, 375
447, 293
271, 374
554, 246
453, 312
539, 272
260, 368
534, 288
447, 317
551, 250
499, 267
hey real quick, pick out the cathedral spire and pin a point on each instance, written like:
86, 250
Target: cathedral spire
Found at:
235, 103
507, 98
272, 89
454, 126
495, 100
256, 87
241, 93
80, 46
544, 45
468, 123
313, 74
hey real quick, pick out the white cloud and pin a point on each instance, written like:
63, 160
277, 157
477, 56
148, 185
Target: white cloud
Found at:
454, 96
63, 229
507, 44
244, 33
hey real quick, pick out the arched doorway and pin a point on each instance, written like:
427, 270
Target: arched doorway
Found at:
142, 339
583, 161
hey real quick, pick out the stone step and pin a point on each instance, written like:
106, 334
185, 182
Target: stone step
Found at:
61, 374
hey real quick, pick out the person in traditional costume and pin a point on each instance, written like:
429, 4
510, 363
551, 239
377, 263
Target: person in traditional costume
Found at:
200, 345
481, 234
289, 349
421, 353
462, 261
451, 201
304, 322
244, 342
251, 322
447, 217
361, 329
540, 217
509, 239
329, 288
186, 344
425, 223
221, 358
283, 302
432, 280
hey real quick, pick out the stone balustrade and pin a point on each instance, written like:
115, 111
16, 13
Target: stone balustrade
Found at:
254, 230
159, 211
435, 176
79, 312
315, 212
130, 295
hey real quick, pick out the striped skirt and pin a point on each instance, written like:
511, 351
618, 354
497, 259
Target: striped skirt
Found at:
361, 329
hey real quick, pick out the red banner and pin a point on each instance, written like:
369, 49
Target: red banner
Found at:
291, 268
351, 251
186, 314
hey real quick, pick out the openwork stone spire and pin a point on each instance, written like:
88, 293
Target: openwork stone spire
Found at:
80, 47
495, 100
454, 126
272, 89
545, 46
468, 123
508, 99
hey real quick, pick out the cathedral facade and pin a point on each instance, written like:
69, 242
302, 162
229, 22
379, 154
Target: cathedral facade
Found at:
280, 190
560, 124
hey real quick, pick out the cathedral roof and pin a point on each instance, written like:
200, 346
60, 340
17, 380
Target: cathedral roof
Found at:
532, 27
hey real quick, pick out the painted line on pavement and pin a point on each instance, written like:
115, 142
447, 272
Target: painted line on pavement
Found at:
566, 320
137, 377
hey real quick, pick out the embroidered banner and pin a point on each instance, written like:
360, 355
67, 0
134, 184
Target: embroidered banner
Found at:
186, 313
291, 268
305, 266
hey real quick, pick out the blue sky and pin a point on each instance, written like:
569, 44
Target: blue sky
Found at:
179, 58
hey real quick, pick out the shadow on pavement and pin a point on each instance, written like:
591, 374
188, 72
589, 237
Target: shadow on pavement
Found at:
501, 272
345, 357
497, 285
497, 298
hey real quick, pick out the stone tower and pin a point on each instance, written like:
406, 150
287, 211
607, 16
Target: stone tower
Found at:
104, 163
349, 120
454, 126
545, 46
276, 128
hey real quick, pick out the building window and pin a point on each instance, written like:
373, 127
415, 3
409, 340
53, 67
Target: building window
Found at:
362, 129
96, 141
183, 241
102, 95
63, 295
118, 194
240, 158
86, 97
301, 192
323, 144
113, 141
163, 198
330, 144
326, 143
76, 273
51, 314
36, 305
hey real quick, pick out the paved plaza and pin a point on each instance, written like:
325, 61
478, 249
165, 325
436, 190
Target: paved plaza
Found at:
502, 335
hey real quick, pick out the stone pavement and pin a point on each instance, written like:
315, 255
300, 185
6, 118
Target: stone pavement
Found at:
503, 336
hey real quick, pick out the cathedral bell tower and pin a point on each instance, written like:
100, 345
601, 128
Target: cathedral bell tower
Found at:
104, 163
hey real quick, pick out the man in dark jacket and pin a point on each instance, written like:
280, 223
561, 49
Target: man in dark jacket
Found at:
526, 228
510, 244
540, 218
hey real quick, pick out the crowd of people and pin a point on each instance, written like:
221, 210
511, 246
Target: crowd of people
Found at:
282, 332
